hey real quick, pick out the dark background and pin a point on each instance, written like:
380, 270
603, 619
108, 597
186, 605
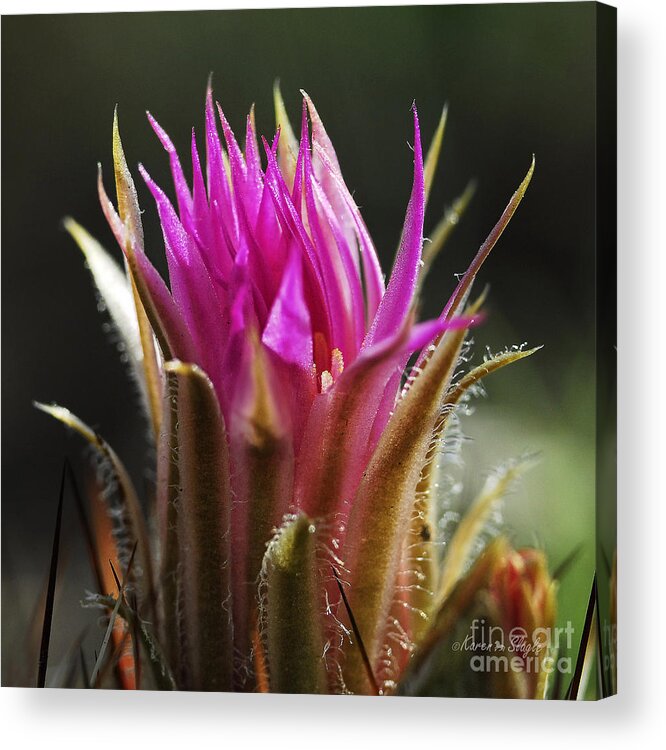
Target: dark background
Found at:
519, 80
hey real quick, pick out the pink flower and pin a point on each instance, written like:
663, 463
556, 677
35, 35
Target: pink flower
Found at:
276, 396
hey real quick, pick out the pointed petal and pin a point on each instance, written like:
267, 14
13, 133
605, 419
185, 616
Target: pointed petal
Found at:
160, 309
191, 285
255, 176
396, 302
213, 240
271, 239
245, 193
183, 195
219, 190
290, 217
338, 299
236, 160
346, 273
328, 172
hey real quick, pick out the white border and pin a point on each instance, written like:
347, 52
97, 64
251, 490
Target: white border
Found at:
90, 718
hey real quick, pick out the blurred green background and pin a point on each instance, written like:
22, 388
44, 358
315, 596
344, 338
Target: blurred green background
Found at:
519, 79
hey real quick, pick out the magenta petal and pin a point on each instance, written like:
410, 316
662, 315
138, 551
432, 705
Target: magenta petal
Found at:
338, 303
292, 224
303, 148
327, 170
191, 285
254, 176
183, 195
180, 340
200, 208
288, 214
272, 240
219, 190
395, 304
235, 154
173, 327
288, 332
339, 436
241, 318
371, 268
236, 163
352, 291
216, 246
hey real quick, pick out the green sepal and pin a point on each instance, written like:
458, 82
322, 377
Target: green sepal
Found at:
432, 159
288, 143
460, 548
292, 610
443, 230
382, 509
203, 528
263, 459
442, 664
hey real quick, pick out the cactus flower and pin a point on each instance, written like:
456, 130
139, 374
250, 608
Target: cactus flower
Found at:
293, 543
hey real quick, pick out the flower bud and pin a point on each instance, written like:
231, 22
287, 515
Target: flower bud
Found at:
522, 602
492, 635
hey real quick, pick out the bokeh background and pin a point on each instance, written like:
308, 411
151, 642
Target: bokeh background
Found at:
519, 79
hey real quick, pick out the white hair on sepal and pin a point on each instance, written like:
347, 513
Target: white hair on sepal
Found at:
329, 569
110, 494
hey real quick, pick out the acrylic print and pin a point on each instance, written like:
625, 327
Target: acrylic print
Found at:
309, 341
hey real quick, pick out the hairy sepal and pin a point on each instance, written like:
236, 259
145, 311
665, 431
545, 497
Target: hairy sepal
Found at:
421, 545
204, 504
382, 507
490, 365
292, 609
115, 291
128, 514
438, 666
130, 216
461, 547
263, 460
168, 494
